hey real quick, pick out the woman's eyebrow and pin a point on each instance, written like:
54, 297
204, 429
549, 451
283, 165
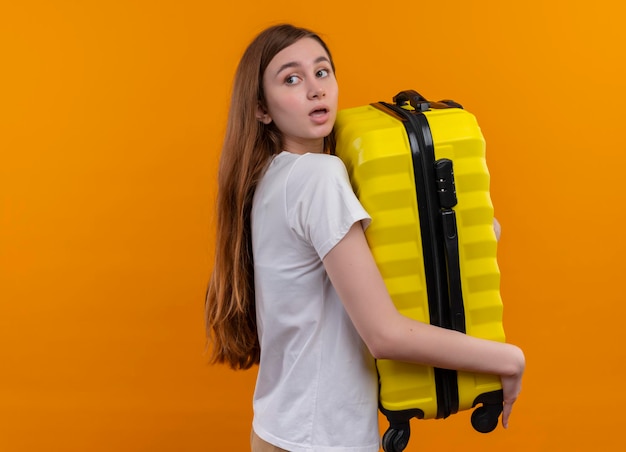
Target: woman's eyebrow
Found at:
293, 64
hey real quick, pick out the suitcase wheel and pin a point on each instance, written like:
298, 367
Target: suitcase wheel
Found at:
485, 418
396, 440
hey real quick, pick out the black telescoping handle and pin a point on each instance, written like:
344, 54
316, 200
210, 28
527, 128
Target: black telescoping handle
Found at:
447, 200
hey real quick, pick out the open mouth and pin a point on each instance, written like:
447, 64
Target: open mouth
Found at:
319, 112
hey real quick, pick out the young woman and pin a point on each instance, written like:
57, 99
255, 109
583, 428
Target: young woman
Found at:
295, 287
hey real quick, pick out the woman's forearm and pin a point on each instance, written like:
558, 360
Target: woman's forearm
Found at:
413, 341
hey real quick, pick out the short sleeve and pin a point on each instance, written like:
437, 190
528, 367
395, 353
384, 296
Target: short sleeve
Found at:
321, 205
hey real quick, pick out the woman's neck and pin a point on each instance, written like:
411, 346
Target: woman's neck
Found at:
315, 146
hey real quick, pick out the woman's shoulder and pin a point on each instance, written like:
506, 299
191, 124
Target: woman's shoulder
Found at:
304, 174
317, 166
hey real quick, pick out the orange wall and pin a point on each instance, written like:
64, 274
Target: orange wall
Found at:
111, 115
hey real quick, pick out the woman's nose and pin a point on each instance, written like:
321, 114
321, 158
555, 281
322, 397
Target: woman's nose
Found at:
316, 91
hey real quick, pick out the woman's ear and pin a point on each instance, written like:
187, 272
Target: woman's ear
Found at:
262, 115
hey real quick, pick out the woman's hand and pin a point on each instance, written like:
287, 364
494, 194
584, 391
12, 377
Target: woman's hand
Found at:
497, 229
511, 387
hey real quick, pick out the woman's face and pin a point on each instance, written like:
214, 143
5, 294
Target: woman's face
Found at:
301, 96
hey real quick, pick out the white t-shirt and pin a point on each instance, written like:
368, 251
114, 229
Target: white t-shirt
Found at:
317, 387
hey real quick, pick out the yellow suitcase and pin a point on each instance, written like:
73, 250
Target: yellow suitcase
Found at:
419, 169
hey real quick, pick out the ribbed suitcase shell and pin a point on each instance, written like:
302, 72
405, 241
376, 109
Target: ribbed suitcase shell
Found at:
375, 148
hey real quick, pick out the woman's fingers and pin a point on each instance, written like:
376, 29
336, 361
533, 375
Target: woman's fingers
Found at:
511, 387
506, 413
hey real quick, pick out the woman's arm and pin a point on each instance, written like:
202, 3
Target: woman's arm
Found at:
390, 335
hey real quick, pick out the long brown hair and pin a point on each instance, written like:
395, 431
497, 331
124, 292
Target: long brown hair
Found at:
248, 146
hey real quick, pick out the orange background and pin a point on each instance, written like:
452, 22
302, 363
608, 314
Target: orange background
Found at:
111, 120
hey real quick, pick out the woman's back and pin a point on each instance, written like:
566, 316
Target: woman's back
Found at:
317, 383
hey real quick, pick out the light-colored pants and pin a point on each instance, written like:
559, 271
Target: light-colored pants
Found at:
258, 445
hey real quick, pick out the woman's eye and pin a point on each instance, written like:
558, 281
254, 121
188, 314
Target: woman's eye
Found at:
322, 73
291, 80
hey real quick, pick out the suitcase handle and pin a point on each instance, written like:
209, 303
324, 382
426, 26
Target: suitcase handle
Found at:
420, 103
415, 99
